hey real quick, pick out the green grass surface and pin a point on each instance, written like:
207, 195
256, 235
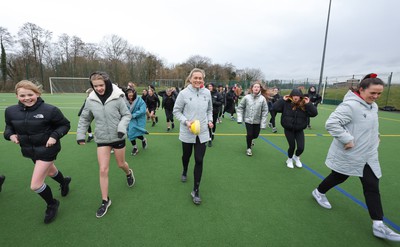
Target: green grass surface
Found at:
247, 201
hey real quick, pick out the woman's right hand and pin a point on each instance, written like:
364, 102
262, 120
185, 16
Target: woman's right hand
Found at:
349, 145
14, 138
189, 123
81, 142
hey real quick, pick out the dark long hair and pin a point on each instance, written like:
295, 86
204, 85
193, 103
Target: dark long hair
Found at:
368, 80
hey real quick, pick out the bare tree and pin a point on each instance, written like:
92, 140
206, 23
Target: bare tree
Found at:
114, 47
35, 40
198, 61
249, 74
6, 40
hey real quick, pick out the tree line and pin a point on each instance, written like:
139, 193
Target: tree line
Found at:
34, 54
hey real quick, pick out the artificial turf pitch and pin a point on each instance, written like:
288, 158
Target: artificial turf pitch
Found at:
247, 201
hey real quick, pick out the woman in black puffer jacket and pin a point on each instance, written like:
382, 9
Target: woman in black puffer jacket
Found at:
295, 109
38, 127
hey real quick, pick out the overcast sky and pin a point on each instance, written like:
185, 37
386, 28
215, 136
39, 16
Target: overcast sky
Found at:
283, 38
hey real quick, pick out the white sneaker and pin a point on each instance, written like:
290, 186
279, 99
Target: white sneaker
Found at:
321, 199
289, 163
383, 231
297, 161
248, 152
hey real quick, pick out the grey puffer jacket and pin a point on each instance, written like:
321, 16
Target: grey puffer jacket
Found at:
253, 109
357, 121
193, 104
110, 118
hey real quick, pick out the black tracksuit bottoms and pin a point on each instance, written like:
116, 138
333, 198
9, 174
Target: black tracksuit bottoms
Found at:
199, 152
370, 185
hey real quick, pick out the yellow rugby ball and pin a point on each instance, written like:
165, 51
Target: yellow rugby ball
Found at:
195, 127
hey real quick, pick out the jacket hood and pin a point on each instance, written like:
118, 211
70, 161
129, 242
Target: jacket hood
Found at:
116, 93
351, 96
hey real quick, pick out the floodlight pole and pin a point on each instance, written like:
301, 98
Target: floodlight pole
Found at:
323, 53
388, 91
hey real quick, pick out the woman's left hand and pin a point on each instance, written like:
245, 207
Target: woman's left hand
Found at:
210, 125
306, 100
50, 142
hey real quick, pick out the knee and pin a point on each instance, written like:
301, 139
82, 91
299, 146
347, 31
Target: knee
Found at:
122, 164
35, 187
199, 161
103, 171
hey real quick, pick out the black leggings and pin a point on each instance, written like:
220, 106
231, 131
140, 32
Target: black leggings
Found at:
199, 152
292, 138
272, 120
370, 185
253, 131
134, 141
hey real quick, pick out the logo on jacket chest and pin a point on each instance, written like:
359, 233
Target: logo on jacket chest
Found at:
38, 116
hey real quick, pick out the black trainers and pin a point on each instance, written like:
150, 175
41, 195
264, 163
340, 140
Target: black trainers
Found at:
156, 119
130, 179
89, 139
2, 178
51, 212
65, 186
103, 208
144, 143
135, 151
196, 197
209, 144
153, 124
168, 129
173, 125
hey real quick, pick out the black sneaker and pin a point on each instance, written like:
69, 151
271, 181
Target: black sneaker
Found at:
89, 139
103, 208
135, 151
168, 129
2, 178
144, 143
51, 212
156, 119
209, 144
196, 197
65, 186
173, 126
153, 124
130, 179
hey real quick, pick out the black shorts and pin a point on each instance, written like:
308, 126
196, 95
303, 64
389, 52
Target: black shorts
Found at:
152, 110
115, 145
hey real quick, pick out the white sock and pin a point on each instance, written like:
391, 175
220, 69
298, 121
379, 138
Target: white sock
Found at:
377, 222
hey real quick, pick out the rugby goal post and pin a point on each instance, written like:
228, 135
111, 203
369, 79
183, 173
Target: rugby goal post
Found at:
68, 84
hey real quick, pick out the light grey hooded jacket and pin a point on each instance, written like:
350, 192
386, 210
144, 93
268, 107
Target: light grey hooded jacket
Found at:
253, 109
357, 121
193, 104
110, 118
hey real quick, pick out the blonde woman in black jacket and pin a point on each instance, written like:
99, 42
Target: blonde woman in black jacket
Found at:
38, 127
